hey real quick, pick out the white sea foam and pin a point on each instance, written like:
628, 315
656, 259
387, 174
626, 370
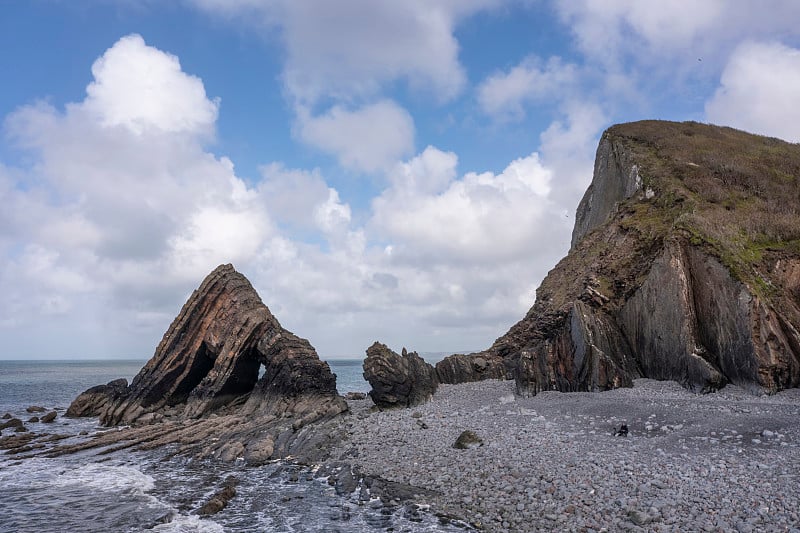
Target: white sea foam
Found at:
189, 524
106, 477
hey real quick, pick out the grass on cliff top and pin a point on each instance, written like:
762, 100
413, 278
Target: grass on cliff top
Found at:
736, 193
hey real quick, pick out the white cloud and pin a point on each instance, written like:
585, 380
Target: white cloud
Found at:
367, 139
479, 218
122, 211
351, 48
568, 147
759, 91
680, 30
504, 94
141, 87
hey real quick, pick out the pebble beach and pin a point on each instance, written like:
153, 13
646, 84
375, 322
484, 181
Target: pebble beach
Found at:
727, 461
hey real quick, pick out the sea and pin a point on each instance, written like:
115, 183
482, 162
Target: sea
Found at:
155, 491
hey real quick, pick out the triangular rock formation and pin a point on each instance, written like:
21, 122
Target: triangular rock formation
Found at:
210, 360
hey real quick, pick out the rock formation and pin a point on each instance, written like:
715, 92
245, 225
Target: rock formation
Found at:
98, 400
398, 380
208, 362
464, 368
684, 265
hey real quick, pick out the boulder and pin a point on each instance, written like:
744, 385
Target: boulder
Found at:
461, 368
398, 380
96, 400
35, 409
468, 439
220, 499
12, 423
49, 417
356, 396
6, 416
33, 419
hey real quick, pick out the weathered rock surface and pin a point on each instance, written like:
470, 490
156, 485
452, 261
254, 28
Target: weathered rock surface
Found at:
97, 400
49, 417
464, 368
684, 265
398, 380
220, 499
207, 365
467, 439
12, 423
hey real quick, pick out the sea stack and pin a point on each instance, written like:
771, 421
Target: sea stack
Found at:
398, 380
209, 362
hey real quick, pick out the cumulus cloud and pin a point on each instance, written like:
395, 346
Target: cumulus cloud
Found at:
122, 207
332, 52
683, 30
504, 94
567, 148
140, 87
366, 139
114, 223
758, 91
479, 218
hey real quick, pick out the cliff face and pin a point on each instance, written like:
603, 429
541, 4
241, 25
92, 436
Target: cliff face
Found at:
684, 265
225, 354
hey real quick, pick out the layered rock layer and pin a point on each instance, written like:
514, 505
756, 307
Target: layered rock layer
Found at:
684, 265
398, 380
225, 354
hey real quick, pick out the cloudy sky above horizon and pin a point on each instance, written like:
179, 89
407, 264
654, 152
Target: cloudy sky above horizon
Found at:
398, 171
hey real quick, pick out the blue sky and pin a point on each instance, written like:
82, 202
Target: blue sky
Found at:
398, 171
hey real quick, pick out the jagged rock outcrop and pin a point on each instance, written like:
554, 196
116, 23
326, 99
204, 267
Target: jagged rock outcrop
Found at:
398, 380
97, 400
209, 362
465, 368
684, 265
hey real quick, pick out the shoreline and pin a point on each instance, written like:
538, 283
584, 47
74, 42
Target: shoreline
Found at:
726, 461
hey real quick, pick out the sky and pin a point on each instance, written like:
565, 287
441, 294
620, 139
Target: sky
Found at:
406, 172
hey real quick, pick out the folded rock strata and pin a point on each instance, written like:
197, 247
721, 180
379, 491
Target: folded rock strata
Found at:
684, 265
224, 356
398, 380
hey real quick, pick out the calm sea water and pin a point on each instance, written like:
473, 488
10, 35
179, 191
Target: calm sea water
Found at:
150, 491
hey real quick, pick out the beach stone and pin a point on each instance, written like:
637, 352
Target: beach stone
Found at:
467, 440
356, 396
6, 416
219, 500
33, 419
35, 409
12, 423
49, 417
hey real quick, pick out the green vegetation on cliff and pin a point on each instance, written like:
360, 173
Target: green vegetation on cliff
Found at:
734, 193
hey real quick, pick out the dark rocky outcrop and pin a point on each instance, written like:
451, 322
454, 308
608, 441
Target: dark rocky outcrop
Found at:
220, 499
464, 368
208, 363
97, 400
49, 417
684, 265
398, 380
12, 423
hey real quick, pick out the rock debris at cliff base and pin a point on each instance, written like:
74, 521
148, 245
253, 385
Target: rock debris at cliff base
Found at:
722, 462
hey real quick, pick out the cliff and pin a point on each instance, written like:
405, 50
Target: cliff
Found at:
225, 355
684, 265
